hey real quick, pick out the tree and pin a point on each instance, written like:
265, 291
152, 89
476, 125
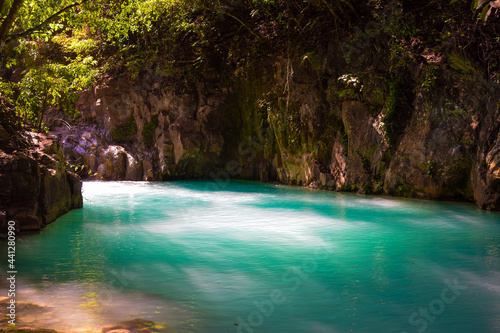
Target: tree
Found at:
9, 20
46, 81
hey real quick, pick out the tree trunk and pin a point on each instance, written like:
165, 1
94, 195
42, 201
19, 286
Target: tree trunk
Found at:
42, 112
2, 2
9, 21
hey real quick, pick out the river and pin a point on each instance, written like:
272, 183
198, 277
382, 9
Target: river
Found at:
202, 256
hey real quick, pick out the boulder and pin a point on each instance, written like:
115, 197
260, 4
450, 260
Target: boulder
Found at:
37, 187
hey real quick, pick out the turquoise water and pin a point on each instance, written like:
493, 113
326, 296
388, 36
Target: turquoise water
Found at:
195, 256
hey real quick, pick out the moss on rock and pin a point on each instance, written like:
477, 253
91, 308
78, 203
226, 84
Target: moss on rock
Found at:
125, 131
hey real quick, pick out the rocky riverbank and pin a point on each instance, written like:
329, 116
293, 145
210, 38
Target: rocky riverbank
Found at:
32, 318
37, 183
34, 312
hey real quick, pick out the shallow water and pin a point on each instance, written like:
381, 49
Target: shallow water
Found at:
197, 256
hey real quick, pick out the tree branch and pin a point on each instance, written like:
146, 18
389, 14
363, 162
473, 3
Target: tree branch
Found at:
243, 24
9, 20
2, 2
44, 23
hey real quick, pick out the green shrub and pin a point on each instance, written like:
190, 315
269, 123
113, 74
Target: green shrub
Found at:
126, 131
430, 168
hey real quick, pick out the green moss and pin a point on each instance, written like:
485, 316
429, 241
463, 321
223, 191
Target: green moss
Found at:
459, 165
126, 131
367, 157
349, 188
252, 118
366, 164
148, 132
368, 188
404, 190
291, 133
391, 104
396, 108
370, 152
348, 93
433, 74
193, 164
461, 64
458, 169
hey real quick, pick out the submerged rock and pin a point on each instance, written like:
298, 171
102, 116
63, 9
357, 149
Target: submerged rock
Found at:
132, 326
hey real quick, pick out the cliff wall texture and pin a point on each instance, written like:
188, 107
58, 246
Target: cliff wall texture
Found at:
428, 130
37, 185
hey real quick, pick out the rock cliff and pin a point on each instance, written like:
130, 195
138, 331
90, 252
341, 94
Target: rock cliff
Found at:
380, 107
37, 186
338, 126
142, 132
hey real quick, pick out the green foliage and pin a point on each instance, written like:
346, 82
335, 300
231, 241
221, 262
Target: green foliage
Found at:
54, 64
461, 64
126, 131
148, 131
400, 28
482, 9
403, 190
352, 87
396, 109
176, 37
380, 187
33, 13
76, 43
433, 74
459, 168
368, 188
312, 59
430, 168
50, 85
7, 89
349, 188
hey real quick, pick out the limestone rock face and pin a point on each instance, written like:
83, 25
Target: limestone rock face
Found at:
330, 126
37, 186
366, 146
485, 170
144, 132
431, 160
